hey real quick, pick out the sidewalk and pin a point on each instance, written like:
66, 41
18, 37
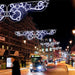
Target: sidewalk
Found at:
70, 67
6, 70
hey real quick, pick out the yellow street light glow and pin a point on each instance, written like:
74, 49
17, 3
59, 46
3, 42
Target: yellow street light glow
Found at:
73, 31
24, 41
70, 41
67, 46
35, 47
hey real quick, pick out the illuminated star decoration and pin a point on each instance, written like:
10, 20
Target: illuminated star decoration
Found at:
38, 34
17, 11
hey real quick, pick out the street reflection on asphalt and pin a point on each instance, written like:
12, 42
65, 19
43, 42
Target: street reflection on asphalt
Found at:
35, 73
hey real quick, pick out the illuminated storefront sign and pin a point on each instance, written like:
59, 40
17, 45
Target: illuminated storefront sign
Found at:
9, 63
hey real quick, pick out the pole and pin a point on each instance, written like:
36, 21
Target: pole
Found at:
74, 39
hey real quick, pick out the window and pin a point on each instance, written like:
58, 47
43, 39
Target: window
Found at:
7, 47
2, 46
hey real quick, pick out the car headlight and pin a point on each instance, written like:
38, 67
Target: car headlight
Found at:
31, 66
39, 67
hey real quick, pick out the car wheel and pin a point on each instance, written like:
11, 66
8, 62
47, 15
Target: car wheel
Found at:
31, 70
45, 69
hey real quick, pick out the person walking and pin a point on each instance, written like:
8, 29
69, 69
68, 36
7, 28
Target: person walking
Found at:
72, 61
16, 68
25, 63
22, 62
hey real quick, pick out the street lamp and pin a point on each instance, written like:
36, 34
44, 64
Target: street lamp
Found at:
67, 47
70, 41
73, 32
35, 47
70, 45
24, 41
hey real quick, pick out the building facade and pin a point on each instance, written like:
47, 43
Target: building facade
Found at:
51, 49
11, 43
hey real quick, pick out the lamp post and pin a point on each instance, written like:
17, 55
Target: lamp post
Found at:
68, 48
24, 41
70, 42
73, 32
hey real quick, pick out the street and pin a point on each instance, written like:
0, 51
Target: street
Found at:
52, 69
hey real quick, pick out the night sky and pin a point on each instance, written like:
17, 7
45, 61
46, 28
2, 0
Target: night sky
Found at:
58, 15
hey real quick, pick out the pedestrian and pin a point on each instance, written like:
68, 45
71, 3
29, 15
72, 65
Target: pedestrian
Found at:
72, 61
16, 67
22, 62
25, 63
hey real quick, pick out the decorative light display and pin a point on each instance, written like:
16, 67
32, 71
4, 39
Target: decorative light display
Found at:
16, 11
38, 34
47, 44
57, 48
2, 12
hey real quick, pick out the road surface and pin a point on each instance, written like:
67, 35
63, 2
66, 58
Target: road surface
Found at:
51, 70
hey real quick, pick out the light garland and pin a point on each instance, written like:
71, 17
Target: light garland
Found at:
17, 11
47, 44
57, 48
38, 34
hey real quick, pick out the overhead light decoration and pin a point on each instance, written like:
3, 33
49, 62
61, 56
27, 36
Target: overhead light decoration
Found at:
47, 44
16, 11
38, 34
57, 48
